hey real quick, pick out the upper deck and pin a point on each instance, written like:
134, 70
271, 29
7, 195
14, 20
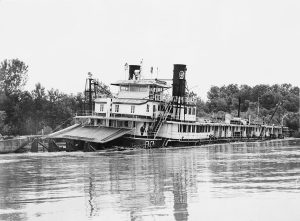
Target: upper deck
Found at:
146, 98
149, 89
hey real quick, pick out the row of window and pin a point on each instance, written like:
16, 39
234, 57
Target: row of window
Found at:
132, 108
187, 110
206, 128
136, 88
117, 108
117, 123
193, 128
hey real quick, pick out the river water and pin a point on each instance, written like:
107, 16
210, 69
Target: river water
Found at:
246, 181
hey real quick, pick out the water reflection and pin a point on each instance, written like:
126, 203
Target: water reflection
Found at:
164, 184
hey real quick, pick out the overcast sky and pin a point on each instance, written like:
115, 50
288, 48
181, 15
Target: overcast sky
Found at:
221, 42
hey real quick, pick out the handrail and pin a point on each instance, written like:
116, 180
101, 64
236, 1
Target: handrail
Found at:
162, 119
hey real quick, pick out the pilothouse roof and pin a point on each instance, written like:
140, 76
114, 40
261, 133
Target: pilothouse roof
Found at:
151, 82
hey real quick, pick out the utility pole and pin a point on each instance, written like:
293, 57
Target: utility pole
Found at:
257, 107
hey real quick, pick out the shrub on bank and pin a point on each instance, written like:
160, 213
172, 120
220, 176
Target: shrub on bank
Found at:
296, 134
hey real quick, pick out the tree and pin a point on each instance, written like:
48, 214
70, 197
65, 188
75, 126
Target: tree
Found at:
202, 108
218, 104
213, 93
2, 120
13, 76
258, 91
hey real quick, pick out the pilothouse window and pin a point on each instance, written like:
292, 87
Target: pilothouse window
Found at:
124, 88
138, 88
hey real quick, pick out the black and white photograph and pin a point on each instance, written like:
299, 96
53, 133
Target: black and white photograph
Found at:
149, 110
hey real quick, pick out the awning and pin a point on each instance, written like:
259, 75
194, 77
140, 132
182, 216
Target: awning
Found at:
90, 133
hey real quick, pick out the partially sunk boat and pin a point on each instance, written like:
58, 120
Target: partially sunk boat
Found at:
140, 116
13, 145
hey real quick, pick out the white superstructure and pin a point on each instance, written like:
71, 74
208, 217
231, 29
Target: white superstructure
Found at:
152, 120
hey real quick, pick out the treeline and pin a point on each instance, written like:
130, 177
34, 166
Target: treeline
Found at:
28, 112
257, 103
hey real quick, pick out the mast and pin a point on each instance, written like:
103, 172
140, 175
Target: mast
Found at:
90, 93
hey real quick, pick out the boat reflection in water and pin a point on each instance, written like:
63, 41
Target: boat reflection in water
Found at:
217, 182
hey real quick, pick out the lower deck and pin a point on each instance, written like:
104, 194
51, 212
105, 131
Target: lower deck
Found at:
146, 133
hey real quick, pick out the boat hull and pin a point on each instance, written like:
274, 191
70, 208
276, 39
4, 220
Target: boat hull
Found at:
12, 145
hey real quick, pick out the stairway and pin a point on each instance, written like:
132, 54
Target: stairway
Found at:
161, 119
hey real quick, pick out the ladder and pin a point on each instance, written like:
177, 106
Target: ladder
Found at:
161, 119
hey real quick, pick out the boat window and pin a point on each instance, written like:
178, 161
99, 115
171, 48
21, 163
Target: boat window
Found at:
124, 88
101, 108
190, 110
138, 88
193, 128
134, 88
198, 129
154, 108
147, 108
125, 123
119, 123
132, 110
117, 108
202, 129
143, 88
193, 111
184, 128
185, 110
112, 123
189, 128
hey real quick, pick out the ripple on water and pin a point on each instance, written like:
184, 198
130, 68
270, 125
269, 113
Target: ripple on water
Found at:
160, 184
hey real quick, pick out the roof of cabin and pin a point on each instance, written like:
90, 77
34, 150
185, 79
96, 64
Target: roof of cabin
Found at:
90, 133
154, 82
129, 101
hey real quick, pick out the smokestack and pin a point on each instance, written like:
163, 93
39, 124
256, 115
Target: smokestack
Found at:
134, 71
179, 82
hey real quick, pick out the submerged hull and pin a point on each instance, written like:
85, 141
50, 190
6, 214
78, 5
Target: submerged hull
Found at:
12, 145
146, 142
130, 141
92, 138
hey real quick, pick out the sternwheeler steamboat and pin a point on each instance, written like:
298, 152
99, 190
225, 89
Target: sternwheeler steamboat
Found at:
141, 116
